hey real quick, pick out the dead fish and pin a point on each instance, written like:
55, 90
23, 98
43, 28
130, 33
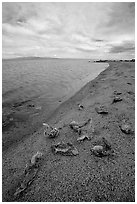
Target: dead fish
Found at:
78, 126
101, 110
73, 123
54, 133
30, 172
102, 150
98, 150
83, 137
75, 126
26, 182
47, 129
36, 158
66, 149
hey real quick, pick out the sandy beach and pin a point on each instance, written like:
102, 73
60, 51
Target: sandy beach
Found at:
85, 177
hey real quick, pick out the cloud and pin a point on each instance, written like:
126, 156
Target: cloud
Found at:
122, 18
67, 29
124, 47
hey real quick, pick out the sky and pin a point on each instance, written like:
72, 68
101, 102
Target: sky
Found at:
69, 30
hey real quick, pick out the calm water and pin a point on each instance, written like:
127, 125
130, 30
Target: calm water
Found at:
34, 88
46, 80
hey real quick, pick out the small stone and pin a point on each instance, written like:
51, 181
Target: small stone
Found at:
101, 110
131, 92
129, 83
117, 99
31, 105
117, 93
80, 107
126, 128
38, 108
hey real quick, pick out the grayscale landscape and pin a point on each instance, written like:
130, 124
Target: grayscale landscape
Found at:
68, 102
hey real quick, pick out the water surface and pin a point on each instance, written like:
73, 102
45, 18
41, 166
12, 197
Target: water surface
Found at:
33, 88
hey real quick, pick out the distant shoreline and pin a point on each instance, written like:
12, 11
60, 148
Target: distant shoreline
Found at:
52, 58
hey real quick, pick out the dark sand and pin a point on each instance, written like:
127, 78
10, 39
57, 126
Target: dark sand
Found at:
83, 177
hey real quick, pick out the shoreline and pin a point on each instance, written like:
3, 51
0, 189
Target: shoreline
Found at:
84, 177
75, 96
21, 122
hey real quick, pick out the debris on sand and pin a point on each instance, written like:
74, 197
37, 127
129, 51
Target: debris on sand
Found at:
131, 92
65, 149
31, 105
84, 137
47, 129
26, 182
77, 127
98, 150
38, 108
101, 110
36, 157
126, 127
50, 131
129, 83
117, 92
117, 99
54, 133
80, 107
102, 150
29, 174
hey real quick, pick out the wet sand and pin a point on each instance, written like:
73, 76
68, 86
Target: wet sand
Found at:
84, 177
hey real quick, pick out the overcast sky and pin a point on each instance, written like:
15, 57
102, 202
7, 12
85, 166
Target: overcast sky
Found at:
80, 30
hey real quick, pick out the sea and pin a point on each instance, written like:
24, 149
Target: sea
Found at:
33, 88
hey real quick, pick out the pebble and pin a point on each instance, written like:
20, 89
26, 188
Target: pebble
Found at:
101, 110
117, 92
126, 128
80, 107
117, 99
